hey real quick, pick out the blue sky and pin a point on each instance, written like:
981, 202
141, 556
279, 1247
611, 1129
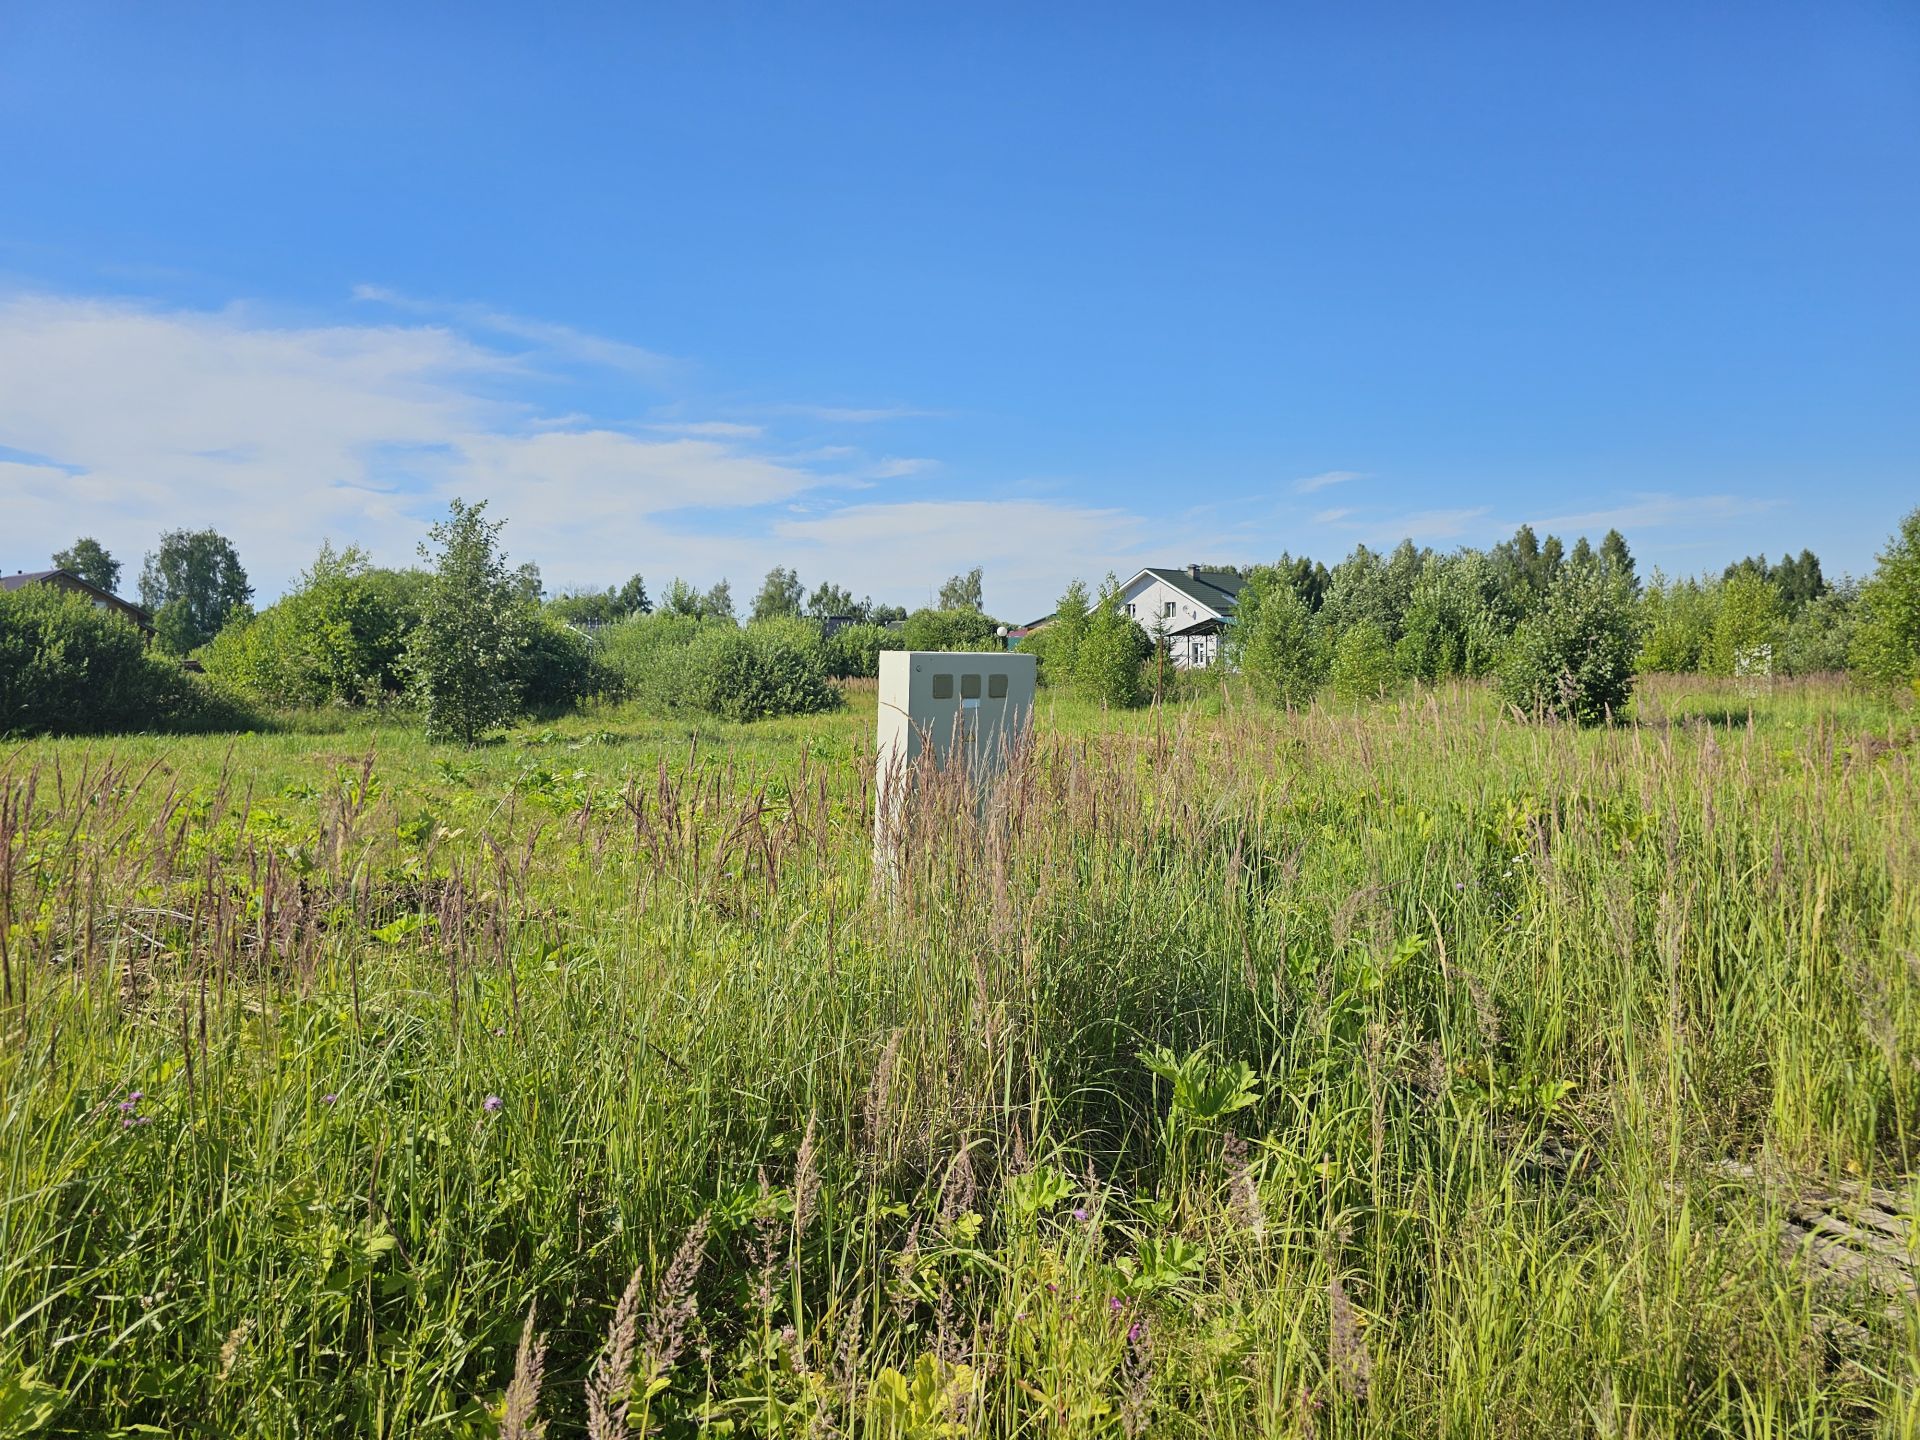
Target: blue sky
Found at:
884, 292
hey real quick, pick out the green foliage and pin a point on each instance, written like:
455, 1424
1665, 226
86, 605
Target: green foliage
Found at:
671, 663
465, 653
192, 584
1107, 666
556, 668
781, 595
89, 559
1456, 624
1272, 640
771, 667
633, 597
854, 650
338, 637
1056, 645
1886, 641
1677, 621
949, 630
1574, 658
963, 592
1617, 560
1746, 622
1816, 640
1365, 589
70, 668
1363, 666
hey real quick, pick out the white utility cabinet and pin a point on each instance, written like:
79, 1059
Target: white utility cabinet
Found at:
958, 704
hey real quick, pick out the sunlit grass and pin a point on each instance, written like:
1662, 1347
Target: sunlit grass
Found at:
1456, 1022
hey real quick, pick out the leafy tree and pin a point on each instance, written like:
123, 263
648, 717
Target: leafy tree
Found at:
1797, 578
466, 650
1746, 622
717, 603
881, 614
587, 607
527, 584
1271, 639
1676, 621
855, 649
829, 600
1057, 643
192, 583
1454, 625
1107, 665
962, 592
1617, 560
1309, 579
683, 600
1582, 556
633, 597
1574, 657
781, 594
1363, 665
89, 559
1886, 641
948, 630
1817, 639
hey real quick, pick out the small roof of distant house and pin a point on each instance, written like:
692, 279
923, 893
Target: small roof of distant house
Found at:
67, 580
1216, 589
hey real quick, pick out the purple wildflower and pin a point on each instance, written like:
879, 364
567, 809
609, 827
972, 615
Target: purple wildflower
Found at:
1114, 1305
330, 1098
1135, 1331
493, 1104
1080, 1212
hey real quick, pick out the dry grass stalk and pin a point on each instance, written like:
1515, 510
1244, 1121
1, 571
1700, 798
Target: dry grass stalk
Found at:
521, 1420
610, 1384
674, 1306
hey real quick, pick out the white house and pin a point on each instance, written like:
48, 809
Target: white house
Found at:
1189, 607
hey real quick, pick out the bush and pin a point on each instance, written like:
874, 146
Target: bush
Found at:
1886, 642
948, 630
1677, 619
1816, 640
1107, 667
1272, 642
671, 663
773, 667
67, 668
557, 666
854, 650
1746, 625
339, 637
465, 654
1574, 657
1055, 647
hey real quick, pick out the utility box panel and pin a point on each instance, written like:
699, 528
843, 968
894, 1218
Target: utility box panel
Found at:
959, 704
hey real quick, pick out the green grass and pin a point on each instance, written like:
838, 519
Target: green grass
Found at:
1453, 1023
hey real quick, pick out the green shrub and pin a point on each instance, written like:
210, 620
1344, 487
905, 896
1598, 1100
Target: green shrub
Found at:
68, 668
1272, 642
465, 654
1574, 657
1815, 641
772, 667
854, 650
669, 663
1886, 642
339, 637
1364, 666
948, 630
1747, 623
1677, 620
557, 666
1056, 645
1107, 665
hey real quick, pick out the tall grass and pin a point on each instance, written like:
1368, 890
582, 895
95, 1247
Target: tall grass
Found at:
1359, 1071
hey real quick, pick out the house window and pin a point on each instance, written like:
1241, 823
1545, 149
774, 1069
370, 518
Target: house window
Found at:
1167, 609
1199, 652
943, 687
1130, 607
969, 687
996, 687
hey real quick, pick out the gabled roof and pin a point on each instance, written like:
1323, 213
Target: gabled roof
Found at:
23, 578
1215, 589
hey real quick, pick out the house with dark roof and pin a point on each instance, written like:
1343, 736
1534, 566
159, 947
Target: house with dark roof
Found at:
1189, 607
67, 580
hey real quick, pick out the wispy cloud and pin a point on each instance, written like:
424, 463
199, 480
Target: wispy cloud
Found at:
562, 341
1324, 479
854, 415
900, 468
711, 429
1330, 517
1653, 510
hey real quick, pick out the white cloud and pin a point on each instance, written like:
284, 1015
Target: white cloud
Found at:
714, 429
899, 468
847, 415
1325, 478
563, 342
1649, 511
1330, 517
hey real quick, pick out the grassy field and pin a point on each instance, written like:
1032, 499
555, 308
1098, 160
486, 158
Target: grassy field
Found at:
1393, 1071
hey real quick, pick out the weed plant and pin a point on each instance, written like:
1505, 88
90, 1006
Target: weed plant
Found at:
1356, 1071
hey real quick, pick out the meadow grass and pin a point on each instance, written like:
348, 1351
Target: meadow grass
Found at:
1389, 1070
